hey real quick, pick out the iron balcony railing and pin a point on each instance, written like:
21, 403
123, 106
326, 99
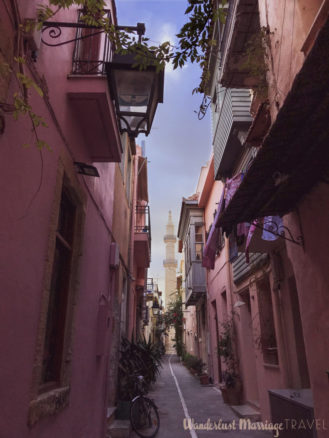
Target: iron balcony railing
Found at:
143, 221
92, 50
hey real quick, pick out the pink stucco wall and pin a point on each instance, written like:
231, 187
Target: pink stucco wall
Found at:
27, 181
294, 20
258, 376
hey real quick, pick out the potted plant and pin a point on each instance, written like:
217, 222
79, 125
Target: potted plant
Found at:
231, 385
204, 378
231, 388
195, 366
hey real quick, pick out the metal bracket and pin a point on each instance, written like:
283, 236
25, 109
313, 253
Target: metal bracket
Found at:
281, 231
54, 31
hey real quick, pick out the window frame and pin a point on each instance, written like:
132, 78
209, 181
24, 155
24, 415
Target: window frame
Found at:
49, 398
268, 338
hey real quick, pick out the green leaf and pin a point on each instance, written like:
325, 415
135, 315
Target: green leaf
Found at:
189, 9
37, 89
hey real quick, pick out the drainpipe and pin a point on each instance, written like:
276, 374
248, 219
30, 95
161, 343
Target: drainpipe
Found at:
210, 355
230, 277
131, 280
229, 273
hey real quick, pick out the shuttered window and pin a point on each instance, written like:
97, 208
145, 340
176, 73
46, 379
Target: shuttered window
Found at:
59, 292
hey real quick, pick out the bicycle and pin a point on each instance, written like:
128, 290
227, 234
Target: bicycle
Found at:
144, 416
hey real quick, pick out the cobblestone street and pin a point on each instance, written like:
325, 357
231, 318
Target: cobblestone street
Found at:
180, 397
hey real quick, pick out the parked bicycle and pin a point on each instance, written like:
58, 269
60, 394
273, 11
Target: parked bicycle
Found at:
144, 416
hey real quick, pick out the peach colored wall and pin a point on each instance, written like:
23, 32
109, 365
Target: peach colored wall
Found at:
310, 266
290, 371
218, 279
121, 216
289, 23
190, 331
257, 376
293, 20
133, 267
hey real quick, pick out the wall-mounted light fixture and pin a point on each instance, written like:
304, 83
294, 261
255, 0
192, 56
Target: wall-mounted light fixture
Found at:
86, 169
136, 92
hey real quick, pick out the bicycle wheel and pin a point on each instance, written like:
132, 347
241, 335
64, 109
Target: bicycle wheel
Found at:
144, 417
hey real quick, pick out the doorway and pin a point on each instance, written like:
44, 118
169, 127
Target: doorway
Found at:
215, 347
248, 353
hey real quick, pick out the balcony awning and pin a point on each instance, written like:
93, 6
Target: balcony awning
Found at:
295, 153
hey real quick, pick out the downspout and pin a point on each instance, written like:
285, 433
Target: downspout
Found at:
131, 280
209, 343
230, 278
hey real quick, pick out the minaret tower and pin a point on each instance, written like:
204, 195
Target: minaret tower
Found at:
170, 263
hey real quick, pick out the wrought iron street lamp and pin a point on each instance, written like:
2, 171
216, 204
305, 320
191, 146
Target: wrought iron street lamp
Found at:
136, 93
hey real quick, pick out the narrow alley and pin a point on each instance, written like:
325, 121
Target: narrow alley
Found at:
164, 181
180, 397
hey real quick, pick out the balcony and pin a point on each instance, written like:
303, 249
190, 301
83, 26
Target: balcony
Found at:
299, 158
145, 314
89, 96
242, 23
234, 119
195, 283
142, 238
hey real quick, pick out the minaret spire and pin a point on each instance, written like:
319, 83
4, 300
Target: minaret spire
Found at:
170, 241
170, 265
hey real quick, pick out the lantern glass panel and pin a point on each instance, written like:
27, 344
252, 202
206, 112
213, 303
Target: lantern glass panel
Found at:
134, 90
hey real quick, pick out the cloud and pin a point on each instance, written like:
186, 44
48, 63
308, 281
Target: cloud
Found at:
167, 32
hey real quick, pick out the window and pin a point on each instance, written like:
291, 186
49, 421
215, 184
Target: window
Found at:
59, 291
224, 306
267, 339
198, 242
50, 388
92, 50
220, 242
188, 251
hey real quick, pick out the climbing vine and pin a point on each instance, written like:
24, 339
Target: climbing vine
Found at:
195, 41
255, 60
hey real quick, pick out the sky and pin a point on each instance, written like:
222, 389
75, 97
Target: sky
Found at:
179, 144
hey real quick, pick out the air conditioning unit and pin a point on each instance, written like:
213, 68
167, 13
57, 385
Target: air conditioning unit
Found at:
114, 255
294, 409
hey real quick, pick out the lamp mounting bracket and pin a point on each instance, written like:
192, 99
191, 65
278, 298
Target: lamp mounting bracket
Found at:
280, 231
53, 29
